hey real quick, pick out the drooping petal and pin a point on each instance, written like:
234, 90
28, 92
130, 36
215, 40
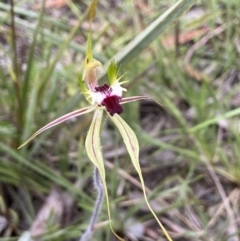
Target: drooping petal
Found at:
92, 143
132, 146
93, 148
60, 120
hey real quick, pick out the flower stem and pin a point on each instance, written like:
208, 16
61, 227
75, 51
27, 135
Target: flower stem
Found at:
97, 207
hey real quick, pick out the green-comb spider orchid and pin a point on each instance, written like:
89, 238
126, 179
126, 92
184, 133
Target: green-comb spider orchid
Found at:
108, 98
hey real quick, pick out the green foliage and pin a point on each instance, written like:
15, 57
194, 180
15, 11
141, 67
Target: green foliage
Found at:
182, 145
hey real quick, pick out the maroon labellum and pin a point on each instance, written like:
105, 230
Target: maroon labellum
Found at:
111, 102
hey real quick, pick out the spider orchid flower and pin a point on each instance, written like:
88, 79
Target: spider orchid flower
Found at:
104, 98
107, 97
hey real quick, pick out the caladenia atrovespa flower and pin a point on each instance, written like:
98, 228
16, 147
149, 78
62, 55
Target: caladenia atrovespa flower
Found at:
106, 98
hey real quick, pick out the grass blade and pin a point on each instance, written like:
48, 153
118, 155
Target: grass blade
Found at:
153, 31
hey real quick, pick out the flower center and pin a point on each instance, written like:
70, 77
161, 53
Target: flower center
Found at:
111, 102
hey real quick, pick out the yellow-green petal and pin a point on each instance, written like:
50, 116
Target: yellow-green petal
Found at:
132, 146
93, 148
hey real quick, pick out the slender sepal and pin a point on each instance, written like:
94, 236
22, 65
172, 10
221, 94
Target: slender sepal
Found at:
92, 142
132, 146
60, 120
93, 148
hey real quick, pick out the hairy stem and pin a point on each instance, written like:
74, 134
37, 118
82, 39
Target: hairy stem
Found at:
97, 207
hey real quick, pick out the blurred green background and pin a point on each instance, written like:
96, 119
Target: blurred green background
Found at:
190, 153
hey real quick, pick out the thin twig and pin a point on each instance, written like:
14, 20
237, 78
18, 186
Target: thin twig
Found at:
97, 207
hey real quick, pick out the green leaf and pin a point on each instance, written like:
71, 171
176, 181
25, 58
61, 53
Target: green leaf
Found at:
30, 111
56, 39
148, 35
214, 120
60, 120
30, 61
93, 148
132, 146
